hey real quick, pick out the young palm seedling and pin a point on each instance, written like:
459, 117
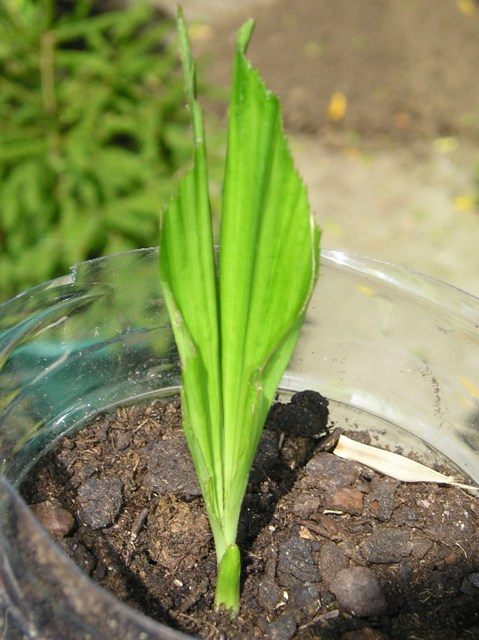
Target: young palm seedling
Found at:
237, 313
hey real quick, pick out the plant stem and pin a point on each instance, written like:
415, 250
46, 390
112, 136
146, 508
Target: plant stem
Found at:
228, 581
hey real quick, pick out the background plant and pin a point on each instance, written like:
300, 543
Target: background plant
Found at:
93, 126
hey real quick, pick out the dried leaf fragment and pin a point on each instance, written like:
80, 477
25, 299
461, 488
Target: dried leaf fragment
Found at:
392, 464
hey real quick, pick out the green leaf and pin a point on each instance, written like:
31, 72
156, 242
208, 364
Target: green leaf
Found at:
268, 263
236, 329
188, 279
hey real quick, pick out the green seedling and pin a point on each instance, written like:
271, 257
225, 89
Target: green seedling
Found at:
237, 312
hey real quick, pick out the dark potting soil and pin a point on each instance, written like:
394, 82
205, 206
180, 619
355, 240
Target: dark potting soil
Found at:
331, 549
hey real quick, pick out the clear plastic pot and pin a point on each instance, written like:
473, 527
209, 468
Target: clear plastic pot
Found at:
395, 352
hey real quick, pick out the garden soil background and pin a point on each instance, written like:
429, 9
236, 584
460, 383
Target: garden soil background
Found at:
395, 177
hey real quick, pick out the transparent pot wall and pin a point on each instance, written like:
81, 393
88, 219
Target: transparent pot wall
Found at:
395, 352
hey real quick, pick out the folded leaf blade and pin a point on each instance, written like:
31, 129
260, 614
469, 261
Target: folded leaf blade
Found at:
268, 259
189, 285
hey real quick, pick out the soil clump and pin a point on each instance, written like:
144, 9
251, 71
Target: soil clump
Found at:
331, 549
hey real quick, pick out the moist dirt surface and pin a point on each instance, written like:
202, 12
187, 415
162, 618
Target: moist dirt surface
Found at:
330, 548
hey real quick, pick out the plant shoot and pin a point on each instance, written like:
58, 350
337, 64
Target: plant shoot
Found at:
237, 313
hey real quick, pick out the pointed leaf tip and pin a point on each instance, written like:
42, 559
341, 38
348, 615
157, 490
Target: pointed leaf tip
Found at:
244, 35
187, 58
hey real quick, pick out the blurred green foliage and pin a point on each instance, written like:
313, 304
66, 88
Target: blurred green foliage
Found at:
92, 128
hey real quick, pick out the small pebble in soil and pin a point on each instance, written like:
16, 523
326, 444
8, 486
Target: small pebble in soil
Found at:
296, 563
122, 441
386, 545
306, 504
100, 501
380, 500
270, 594
358, 592
420, 546
330, 473
347, 500
305, 601
283, 628
170, 467
55, 519
331, 560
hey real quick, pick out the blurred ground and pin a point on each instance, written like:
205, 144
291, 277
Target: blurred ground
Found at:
381, 99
